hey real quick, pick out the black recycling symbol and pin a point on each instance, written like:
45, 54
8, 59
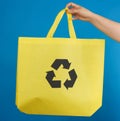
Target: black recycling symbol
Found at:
57, 83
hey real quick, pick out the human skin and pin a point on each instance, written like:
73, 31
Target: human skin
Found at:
109, 27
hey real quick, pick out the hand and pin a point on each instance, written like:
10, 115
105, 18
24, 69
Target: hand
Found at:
79, 12
109, 27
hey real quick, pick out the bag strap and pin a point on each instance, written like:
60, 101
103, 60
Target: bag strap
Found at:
57, 21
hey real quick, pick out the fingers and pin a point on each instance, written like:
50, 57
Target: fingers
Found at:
72, 8
69, 5
74, 18
72, 11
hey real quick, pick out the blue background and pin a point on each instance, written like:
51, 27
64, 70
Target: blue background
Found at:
33, 18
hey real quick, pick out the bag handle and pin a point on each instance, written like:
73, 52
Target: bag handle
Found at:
57, 21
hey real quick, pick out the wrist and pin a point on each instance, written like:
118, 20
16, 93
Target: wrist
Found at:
92, 17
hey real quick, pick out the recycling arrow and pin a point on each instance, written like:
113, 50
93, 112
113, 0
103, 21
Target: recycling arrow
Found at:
56, 64
73, 76
57, 83
53, 83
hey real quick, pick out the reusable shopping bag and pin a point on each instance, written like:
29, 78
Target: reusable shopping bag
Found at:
60, 76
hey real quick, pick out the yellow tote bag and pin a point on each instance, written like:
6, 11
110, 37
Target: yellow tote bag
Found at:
60, 76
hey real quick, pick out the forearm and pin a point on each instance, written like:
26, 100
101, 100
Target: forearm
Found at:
110, 28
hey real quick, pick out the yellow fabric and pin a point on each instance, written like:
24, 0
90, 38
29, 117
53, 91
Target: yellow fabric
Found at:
36, 57
57, 21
